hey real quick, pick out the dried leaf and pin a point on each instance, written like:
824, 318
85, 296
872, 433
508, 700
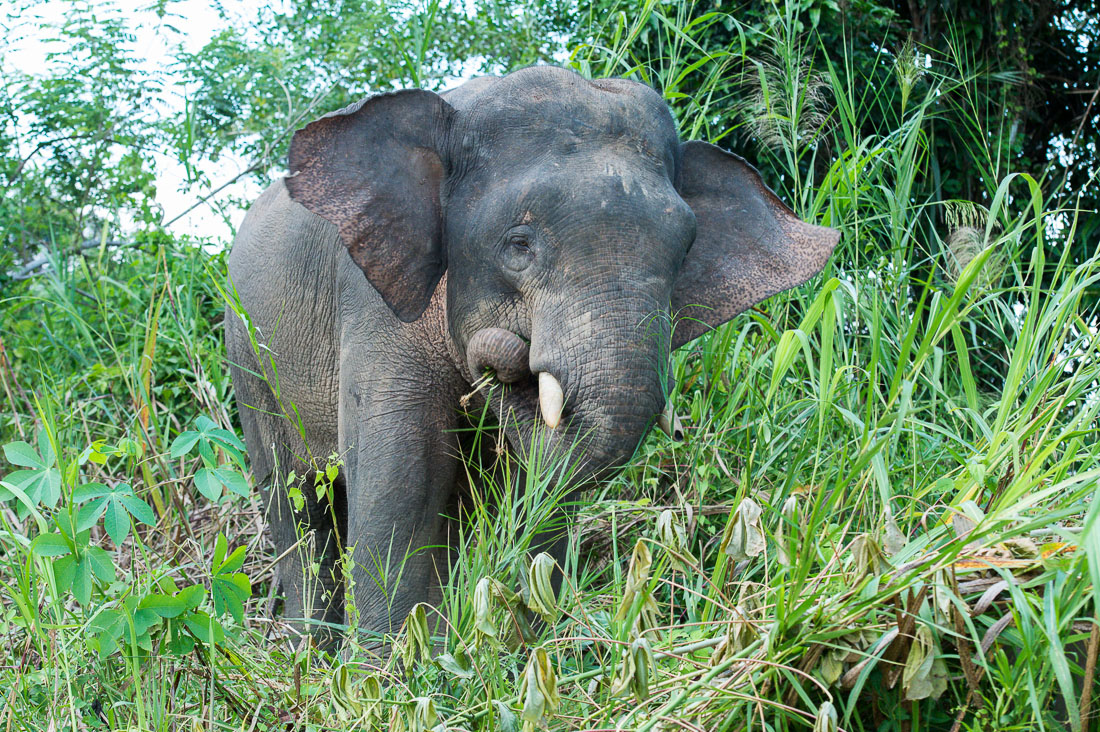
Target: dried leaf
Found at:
1022, 547
507, 721
418, 642
539, 688
637, 590
830, 667
790, 517
892, 538
740, 634
634, 671
925, 674
542, 598
743, 537
424, 714
397, 718
343, 697
826, 720
867, 557
483, 609
673, 538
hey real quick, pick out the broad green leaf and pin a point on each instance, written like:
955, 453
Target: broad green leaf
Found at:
166, 606
204, 627
170, 606
233, 480
82, 580
101, 562
116, 522
220, 548
24, 455
64, 569
50, 545
106, 629
207, 482
139, 509
89, 491
184, 443
456, 666
116, 505
42, 486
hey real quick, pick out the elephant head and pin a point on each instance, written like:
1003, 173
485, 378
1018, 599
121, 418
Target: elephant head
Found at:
571, 222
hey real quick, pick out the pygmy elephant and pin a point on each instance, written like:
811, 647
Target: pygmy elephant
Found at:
548, 229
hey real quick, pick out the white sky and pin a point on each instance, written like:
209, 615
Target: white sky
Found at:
188, 24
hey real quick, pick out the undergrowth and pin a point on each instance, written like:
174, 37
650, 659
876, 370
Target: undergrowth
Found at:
881, 517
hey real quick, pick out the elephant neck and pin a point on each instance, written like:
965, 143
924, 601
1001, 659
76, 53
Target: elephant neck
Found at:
438, 327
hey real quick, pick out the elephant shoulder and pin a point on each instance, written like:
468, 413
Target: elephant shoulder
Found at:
278, 226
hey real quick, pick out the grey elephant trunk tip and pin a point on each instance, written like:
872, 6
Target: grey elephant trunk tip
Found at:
500, 350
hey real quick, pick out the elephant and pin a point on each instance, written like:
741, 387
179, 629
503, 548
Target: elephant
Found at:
548, 229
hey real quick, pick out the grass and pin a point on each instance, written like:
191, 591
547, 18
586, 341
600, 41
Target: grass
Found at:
881, 518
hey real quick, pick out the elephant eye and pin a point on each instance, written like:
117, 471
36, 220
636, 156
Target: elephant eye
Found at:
519, 243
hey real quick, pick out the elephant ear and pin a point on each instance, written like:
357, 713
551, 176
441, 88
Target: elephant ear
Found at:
748, 245
375, 170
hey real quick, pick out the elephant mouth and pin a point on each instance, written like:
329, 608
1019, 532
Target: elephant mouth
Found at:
495, 354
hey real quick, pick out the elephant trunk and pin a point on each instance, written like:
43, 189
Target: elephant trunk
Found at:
613, 378
500, 350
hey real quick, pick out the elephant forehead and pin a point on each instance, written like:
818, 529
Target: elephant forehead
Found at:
570, 119
598, 191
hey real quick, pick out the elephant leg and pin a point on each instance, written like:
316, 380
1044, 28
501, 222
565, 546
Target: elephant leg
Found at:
401, 471
306, 538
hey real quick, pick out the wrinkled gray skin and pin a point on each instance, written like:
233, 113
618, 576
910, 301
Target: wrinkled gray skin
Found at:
538, 205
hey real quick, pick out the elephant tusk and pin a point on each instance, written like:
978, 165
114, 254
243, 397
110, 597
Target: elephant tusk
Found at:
551, 399
670, 424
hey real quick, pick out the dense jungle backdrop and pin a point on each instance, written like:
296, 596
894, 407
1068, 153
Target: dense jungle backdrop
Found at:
882, 517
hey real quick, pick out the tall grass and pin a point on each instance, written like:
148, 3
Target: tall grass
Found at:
882, 516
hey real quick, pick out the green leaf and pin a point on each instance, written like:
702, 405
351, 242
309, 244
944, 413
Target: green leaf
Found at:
50, 545
107, 628
22, 454
140, 510
89, 491
220, 547
144, 619
103, 566
207, 482
82, 580
233, 480
116, 522
184, 443
206, 452
170, 606
166, 606
64, 569
116, 504
42, 486
507, 720
89, 515
227, 439
230, 592
455, 666
204, 627
232, 563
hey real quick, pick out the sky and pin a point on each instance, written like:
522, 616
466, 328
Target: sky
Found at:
187, 23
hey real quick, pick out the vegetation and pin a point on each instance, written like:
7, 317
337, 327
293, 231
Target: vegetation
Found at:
882, 516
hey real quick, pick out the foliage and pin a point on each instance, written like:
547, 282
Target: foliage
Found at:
74, 140
1027, 105
882, 515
